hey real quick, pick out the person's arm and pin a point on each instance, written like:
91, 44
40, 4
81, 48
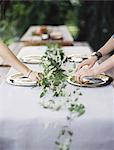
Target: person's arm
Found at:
105, 66
108, 46
6, 53
12, 59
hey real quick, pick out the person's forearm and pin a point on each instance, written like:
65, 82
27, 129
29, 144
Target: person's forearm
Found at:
12, 59
105, 66
108, 47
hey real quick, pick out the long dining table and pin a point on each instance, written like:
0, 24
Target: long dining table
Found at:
26, 125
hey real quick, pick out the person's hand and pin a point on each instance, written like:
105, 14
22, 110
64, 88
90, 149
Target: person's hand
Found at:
79, 76
90, 62
35, 76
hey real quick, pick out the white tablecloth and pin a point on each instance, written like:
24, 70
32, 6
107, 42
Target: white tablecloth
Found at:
25, 125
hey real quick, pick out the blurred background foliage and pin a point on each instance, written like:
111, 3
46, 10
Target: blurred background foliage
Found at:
90, 20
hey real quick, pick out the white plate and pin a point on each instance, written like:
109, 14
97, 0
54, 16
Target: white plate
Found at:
77, 58
20, 80
31, 59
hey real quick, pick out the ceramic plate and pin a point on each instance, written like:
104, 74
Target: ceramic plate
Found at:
77, 58
98, 81
31, 59
20, 80
56, 35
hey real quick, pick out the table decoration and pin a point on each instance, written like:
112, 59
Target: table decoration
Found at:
54, 75
55, 80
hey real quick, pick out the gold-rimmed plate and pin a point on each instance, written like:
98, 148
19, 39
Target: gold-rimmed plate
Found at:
19, 79
98, 81
31, 59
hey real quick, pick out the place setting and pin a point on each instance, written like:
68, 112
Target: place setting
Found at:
77, 58
18, 79
31, 59
91, 82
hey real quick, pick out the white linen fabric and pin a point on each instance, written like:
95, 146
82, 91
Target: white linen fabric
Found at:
25, 125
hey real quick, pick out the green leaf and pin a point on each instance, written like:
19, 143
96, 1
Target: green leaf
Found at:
70, 133
42, 94
57, 143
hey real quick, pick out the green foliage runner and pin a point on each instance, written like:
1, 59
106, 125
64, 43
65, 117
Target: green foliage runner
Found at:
55, 80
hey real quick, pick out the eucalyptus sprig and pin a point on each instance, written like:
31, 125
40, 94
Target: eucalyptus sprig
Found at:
54, 76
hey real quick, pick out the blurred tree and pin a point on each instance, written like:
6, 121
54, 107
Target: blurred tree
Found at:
21, 14
92, 20
96, 22
3, 6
